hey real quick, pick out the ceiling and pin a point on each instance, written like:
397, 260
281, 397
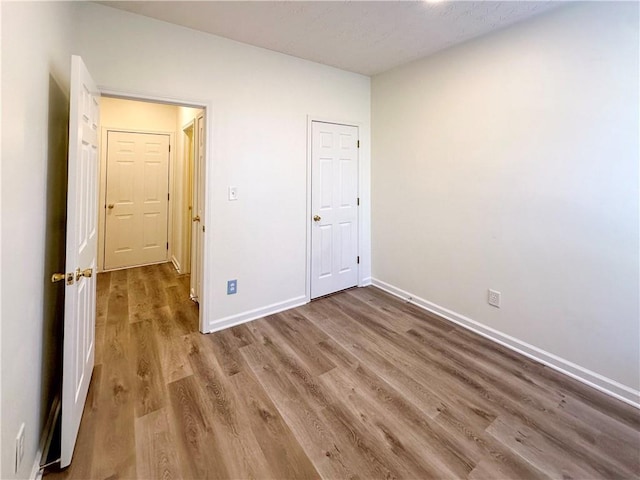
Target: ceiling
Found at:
367, 37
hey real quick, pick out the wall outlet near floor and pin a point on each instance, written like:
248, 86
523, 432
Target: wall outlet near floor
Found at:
494, 298
232, 287
19, 447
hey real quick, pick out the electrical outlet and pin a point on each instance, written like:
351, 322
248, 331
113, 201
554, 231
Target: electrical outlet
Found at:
494, 298
232, 287
233, 193
19, 447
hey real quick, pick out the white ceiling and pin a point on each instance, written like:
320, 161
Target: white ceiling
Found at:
367, 37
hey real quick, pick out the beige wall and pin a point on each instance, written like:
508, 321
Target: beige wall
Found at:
511, 162
135, 115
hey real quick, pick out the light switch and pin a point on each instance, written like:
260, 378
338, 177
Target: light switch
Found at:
233, 193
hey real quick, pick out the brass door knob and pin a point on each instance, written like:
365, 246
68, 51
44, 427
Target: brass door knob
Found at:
57, 277
196, 218
110, 206
88, 272
316, 218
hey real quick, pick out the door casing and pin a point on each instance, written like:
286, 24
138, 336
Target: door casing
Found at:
188, 132
198, 206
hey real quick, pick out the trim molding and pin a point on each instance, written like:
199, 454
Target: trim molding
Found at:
588, 377
365, 282
176, 264
45, 440
250, 315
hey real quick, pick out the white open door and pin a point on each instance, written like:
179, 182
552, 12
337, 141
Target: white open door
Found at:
81, 253
334, 206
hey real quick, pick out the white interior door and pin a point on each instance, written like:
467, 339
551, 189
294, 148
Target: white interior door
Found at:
136, 216
334, 208
198, 227
81, 253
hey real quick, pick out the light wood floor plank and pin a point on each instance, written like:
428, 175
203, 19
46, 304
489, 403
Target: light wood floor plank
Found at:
155, 447
150, 386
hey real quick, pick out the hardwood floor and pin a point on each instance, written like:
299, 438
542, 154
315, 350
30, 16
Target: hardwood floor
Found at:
356, 385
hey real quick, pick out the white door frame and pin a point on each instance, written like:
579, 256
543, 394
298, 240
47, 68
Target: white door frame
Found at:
207, 106
310, 120
103, 187
187, 224
198, 204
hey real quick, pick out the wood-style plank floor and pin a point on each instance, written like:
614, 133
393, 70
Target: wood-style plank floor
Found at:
356, 385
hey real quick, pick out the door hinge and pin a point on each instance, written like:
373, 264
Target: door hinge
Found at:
358, 259
358, 143
167, 245
358, 201
169, 147
167, 197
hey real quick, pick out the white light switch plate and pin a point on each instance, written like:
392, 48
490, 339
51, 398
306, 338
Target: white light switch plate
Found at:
233, 193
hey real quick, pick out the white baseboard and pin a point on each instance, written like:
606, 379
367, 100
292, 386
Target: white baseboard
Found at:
250, 315
36, 472
588, 377
365, 282
176, 263
45, 440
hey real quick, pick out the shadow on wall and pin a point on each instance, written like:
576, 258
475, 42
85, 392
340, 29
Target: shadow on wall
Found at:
55, 245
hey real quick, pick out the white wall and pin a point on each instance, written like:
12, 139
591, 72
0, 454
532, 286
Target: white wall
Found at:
258, 138
36, 48
121, 114
511, 162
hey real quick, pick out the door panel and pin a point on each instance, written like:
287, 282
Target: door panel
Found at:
334, 204
136, 220
81, 254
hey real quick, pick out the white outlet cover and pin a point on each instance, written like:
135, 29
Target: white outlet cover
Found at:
494, 298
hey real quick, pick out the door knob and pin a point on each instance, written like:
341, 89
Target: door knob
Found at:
58, 277
316, 218
110, 206
88, 272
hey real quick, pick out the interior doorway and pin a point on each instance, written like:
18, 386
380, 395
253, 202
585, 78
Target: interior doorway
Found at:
151, 209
